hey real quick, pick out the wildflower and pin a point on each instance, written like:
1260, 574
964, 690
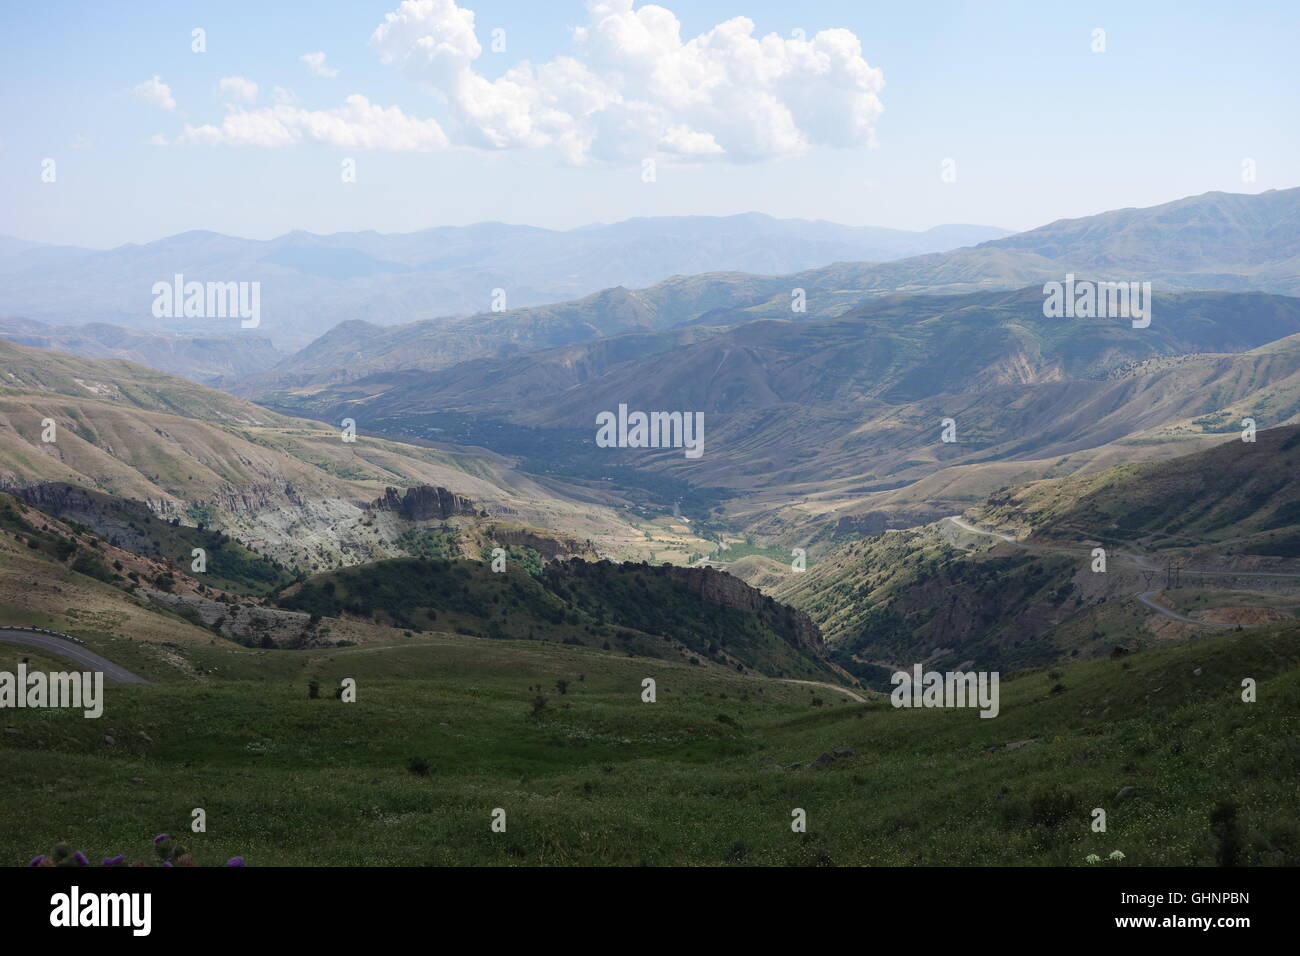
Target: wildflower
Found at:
81, 859
235, 861
37, 860
161, 838
1092, 858
114, 860
1116, 855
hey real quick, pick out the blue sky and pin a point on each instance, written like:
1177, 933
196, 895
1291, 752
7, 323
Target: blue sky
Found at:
851, 125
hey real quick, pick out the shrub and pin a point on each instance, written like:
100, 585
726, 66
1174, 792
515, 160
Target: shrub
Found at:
1227, 833
1053, 807
418, 766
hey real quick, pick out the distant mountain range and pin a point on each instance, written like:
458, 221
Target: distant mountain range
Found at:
836, 423
823, 430
1171, 246
310, 283
822, 422
391, 302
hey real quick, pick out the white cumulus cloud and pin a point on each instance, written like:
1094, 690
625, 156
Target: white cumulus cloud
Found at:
357, 124
156, 93
634, 88
316, 63
238, 88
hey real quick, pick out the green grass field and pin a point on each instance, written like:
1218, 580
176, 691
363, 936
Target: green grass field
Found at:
708, 775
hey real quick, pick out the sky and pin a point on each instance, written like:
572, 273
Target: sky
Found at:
397, 116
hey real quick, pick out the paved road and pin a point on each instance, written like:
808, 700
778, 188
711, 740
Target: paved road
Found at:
73, 652
1140, 561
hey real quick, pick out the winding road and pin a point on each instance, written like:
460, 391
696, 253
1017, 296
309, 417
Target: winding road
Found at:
1143, 564
819, 683
73, 652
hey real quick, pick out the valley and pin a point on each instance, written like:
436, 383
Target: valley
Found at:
429, 511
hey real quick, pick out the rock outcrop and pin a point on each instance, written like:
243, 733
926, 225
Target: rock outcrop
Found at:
250, 624
719, 587
549, 546
425, 502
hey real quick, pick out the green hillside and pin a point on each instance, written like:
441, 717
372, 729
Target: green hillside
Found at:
1244, 495
1227, 517
648, 610
444, 730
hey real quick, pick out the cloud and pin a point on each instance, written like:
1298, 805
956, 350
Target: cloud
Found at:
358, 124
156, 93
316, 63
634, 88
238, 88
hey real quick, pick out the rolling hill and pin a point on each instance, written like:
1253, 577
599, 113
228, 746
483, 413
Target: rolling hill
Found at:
447, 728
124, 563
817, 424
199, 358
289, 487
1028, 592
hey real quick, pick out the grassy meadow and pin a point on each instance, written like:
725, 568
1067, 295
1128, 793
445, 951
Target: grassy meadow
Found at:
446, 728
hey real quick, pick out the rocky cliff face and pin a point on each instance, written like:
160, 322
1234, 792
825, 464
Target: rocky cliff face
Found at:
549, 546
112, 518
425, 502
721, 588
249, 624
65, 500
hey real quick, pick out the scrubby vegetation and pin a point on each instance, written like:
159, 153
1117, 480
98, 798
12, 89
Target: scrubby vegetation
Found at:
1187, 772
633, 607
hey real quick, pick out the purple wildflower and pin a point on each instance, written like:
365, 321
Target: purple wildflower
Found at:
161, 838
81, 859
37, 860
235, 861
114, 860
167, 862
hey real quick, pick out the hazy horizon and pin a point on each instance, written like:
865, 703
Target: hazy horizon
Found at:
515, 225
